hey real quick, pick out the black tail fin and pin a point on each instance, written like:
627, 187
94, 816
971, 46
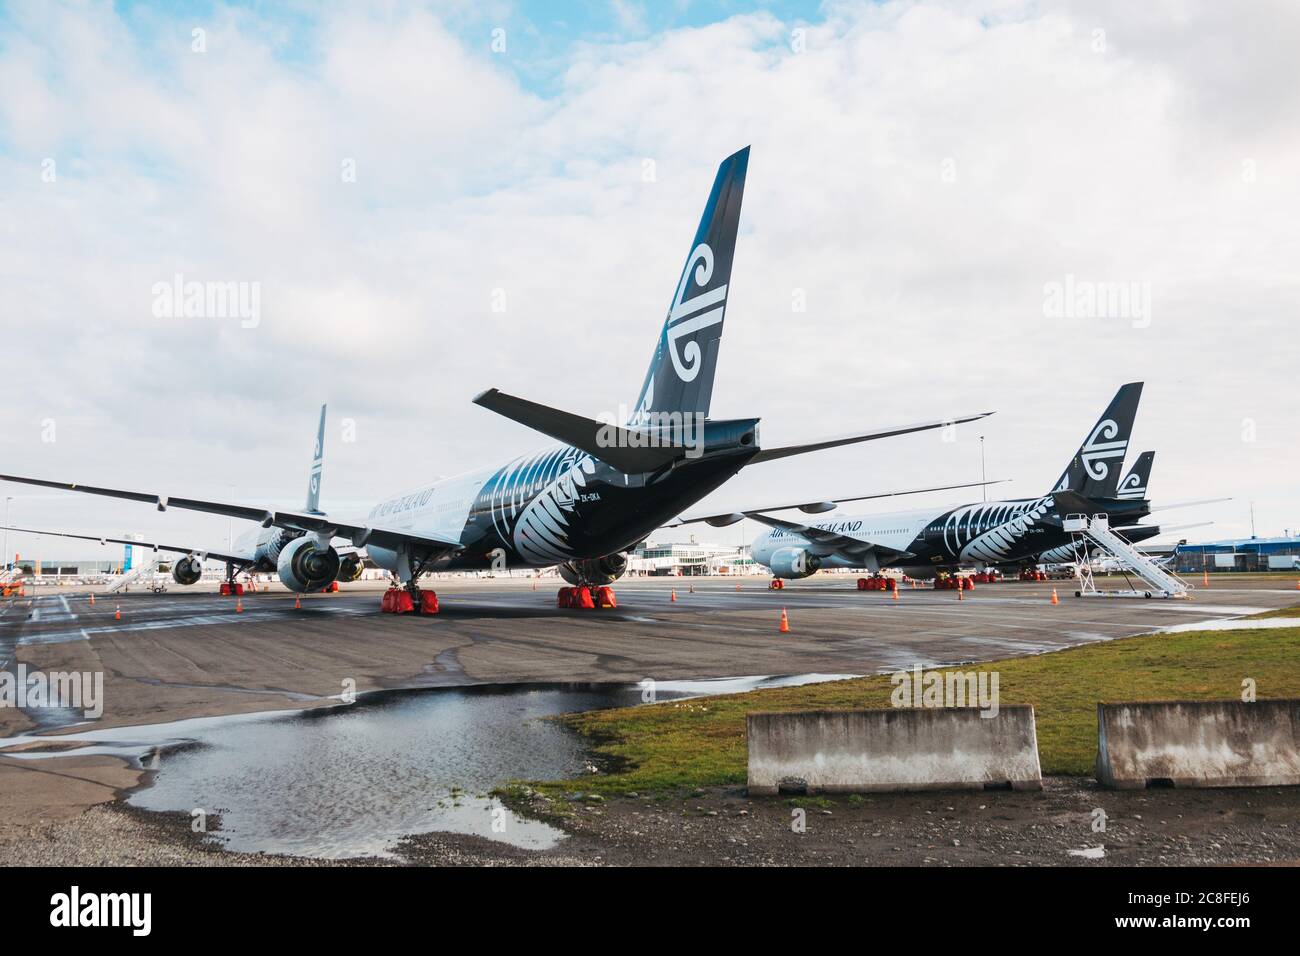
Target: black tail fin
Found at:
1094, 471
1134, 484
317, 464
680, 379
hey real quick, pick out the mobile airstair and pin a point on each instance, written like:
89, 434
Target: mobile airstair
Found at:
1091, 535
141, 575
11, 582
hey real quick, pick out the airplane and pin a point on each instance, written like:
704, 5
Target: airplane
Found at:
255, 551
1132, 488
923, 542
582, 505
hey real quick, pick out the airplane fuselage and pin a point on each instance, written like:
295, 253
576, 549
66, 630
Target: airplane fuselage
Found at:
980, 534
548, 508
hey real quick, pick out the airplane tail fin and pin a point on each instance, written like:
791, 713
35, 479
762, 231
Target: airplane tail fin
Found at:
1135, 482
1095, 469
680, 378
317, 464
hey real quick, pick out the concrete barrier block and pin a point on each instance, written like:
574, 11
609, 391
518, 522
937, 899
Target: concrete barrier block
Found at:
1198, 743
861, 751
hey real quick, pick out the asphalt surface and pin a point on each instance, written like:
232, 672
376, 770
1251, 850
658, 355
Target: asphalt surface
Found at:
188, 653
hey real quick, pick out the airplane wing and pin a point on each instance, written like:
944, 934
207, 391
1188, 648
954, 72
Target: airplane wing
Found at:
175, 548
360, 535
725, 518
829, 542
770, 454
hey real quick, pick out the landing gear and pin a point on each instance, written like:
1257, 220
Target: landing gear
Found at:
584, 597
230, 587
776, 584
877, 582
409, 598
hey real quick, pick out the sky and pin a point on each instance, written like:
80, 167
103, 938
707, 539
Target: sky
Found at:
431, 199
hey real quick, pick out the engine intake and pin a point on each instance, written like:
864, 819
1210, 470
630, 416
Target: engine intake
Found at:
598, 571
794, 563
304, 566
350, 567
187, 570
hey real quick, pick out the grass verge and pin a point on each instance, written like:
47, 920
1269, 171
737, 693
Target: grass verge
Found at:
701, 742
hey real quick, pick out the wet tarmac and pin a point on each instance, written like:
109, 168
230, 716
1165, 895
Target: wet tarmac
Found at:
352, 780
240, 708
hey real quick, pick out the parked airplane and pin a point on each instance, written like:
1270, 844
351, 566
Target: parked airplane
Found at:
1132, 488
925, 541
581, 505
254, 551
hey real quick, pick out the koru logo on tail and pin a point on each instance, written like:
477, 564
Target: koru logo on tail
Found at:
688, 316
1132, 487
1100, 447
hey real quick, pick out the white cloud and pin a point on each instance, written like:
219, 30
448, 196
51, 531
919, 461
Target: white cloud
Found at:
924, 296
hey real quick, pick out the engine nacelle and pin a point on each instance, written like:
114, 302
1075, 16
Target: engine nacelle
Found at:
604, 570
187, 570
268, 551
793, 563
304, 566
350, 567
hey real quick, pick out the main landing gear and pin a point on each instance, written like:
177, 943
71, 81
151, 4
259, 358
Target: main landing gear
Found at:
409, 598
584, 597
230, 587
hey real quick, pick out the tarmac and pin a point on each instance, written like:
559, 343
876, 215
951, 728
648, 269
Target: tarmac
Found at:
190, 652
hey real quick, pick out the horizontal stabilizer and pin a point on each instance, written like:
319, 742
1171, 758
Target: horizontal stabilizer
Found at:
1186, 504
722, 519
770, 454
631, 451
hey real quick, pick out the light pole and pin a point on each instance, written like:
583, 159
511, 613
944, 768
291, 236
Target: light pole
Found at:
5, 553
983, 475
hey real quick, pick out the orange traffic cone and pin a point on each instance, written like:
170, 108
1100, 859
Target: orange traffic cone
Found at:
673, 595
1055, 599
1205, 578
895, 590
785, 622
960, 592
1297, 584
117, 615
92, 596
297, 602
239, 605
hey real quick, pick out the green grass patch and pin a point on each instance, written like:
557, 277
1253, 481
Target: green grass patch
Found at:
1281, 612
701, 742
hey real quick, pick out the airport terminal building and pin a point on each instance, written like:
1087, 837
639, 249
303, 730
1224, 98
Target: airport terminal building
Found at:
681, 558
1240, 554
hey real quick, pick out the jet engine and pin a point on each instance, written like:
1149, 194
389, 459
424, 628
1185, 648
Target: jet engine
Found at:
187, 570
793, 563
350, 566
604, 570
305, 566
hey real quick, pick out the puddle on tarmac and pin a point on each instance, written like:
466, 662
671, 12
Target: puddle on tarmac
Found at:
353, 780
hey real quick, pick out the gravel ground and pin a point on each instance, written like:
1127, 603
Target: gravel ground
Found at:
725, 827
